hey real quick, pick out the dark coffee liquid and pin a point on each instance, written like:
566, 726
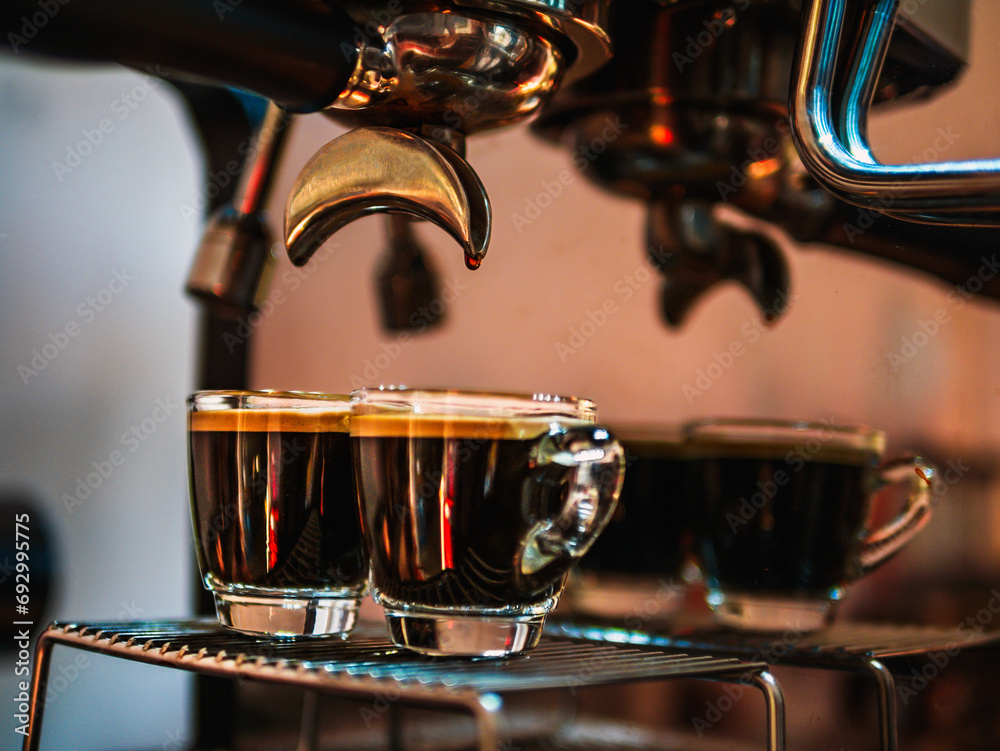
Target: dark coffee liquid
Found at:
648, 533
779, 524
275, 507
447, 506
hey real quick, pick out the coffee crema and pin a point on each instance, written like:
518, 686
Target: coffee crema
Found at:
317, 420
409, 425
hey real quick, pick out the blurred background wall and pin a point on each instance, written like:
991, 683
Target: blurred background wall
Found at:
98, 358
123, 552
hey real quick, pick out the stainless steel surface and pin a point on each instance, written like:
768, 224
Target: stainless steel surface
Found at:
830, 131
688, 115
371, 170
695, 250
579, 26
451, 71
262, 160
698, 93
446, 69
367, 665
842, 641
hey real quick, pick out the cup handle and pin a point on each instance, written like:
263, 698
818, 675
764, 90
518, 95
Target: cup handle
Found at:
585, 465
880, 545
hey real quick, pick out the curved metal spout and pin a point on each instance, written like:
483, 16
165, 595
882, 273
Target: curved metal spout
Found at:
384, 170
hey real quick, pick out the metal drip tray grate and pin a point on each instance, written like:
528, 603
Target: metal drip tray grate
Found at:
557, 662
366, 665
859, 647
841, 642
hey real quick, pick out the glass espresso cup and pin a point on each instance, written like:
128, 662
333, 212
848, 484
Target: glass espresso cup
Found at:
474, 507
781, 516
633, 574
274, 510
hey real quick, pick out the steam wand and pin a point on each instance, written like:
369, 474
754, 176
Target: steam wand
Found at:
235, 255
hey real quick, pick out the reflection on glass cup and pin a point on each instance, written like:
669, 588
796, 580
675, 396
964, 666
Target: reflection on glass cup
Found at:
274, 509
781, 516
474, 507
633, 574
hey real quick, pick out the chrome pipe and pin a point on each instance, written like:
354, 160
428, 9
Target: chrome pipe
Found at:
832, 141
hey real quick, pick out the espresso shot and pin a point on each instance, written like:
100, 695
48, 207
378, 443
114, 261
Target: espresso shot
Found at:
776, 525
449, 514
274, 510
781, 516
474, 507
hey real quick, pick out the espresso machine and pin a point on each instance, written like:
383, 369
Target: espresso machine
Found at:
757, 108
739, 126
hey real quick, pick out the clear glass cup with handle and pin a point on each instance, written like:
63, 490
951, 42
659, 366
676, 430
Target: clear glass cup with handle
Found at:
781, 515
474, 507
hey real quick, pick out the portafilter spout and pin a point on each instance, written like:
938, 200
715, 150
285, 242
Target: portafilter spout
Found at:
385, 170
427, 74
